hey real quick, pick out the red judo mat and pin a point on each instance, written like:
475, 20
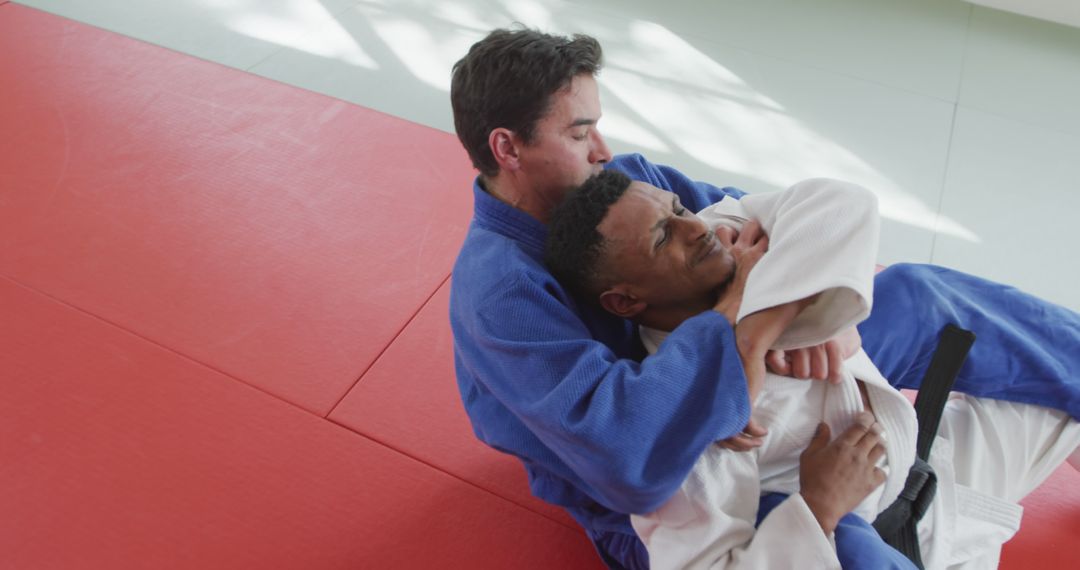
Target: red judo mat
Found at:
223, 336
278, 236
118, 453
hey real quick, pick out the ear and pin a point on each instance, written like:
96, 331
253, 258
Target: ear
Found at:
504, 146
621, 303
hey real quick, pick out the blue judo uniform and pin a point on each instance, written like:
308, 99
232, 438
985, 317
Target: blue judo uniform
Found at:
601, 432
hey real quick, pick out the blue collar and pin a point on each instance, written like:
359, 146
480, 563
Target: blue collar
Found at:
491, 214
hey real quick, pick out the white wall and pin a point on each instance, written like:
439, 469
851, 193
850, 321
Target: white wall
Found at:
1060, 11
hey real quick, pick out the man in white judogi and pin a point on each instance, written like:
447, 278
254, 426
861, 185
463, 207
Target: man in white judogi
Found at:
660, 264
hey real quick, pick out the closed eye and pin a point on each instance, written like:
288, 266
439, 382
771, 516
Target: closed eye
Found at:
663, 237
676, 209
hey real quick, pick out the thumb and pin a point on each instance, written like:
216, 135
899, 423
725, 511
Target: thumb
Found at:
821, 437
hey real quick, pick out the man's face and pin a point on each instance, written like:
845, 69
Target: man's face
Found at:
661, 253
566, 149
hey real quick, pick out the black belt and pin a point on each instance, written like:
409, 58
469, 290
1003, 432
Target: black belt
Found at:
896, 524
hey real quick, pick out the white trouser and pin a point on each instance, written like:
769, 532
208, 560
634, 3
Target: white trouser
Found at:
1005, 450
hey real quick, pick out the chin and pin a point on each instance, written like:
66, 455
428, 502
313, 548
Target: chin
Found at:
721, 267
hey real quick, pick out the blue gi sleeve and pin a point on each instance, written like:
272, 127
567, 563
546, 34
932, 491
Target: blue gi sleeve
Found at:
693, 194
537, 384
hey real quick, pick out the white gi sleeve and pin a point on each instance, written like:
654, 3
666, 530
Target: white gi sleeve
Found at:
709, 523
823, 238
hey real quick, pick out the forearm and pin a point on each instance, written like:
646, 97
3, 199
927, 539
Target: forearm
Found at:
755, 335
624, 432
693, 194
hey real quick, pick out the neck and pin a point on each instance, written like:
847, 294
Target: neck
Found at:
509, 191
667, 318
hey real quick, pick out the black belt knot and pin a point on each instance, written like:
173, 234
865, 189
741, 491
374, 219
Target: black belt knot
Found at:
897, 523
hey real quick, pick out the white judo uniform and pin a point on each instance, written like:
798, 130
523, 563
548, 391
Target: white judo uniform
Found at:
823, 237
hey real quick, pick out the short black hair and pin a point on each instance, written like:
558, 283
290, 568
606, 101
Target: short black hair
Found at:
574, 249
507, 80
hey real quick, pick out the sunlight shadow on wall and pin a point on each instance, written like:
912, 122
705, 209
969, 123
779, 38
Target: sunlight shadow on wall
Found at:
720, 120
673, 98
299, 24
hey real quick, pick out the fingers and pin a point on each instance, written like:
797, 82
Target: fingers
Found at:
750, 234
726, 235
876, 453
742, 442
758, 249
751, 243
860, 430
819, 362
755, 429
870, 439
752, 436
776, 362
834, 477
800, 363
833, 353
737, 444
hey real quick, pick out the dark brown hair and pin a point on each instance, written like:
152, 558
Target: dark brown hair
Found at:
507, 80
574, 251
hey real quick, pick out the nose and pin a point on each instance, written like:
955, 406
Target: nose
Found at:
599, 153
691, 228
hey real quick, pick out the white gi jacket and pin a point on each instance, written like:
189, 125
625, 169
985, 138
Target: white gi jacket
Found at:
823, 237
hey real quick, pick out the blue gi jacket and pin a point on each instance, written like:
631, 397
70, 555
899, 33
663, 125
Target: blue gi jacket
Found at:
560, 385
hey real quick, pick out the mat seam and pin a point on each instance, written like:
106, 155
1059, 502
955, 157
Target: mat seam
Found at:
379, 356
406, 454
450, 474
155, 343
291, 404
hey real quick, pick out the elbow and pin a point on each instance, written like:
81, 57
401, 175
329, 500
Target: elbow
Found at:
628, 486
863, 199
857, 199
845, 192
639, 500
636, 491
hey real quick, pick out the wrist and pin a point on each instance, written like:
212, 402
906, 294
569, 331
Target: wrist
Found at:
828, 524
825, 519
729, 310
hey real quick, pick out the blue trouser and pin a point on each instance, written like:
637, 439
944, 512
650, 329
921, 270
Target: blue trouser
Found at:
858, 545
1026, 349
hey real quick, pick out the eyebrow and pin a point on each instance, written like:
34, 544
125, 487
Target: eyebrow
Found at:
582, 122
